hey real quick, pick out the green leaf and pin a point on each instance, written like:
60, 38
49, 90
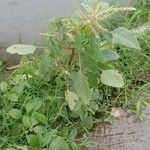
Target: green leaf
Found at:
92, 79
70, 98
75, 146
88, 122
125, 37
112, 78
108, 55
22, 147
33, 140
12, 97
10, 149
83, 114
91, 64
15, 113
39, 129
73, 133
56, 144
48, 137
34, 105
29, 121
65, 146
81, 85
21, 49
45, 67
3, 86
106, 66
41, 117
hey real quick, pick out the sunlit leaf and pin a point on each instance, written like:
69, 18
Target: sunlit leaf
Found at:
48, 138
112, 78
12, 97
33, 140
70, 98
59, 144
22, 147
3, 86
39, 129
29, 121
15, 113
56, 144
41, 117
21, 49
125, 37
35, 104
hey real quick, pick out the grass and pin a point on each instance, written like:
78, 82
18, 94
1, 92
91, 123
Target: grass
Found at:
135, 65
32, 124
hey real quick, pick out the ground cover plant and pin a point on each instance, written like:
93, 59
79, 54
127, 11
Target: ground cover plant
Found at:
49, 101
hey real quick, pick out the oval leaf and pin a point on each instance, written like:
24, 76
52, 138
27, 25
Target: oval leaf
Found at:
125, 37
33, 140
108, 55
21, 49
56, 144
3, 86
112, 78
12, 97
41, 117
15, 113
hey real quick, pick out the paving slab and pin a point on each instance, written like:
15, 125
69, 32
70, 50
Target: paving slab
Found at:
126, 134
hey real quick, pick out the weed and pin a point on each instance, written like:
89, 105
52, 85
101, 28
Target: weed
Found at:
48, 101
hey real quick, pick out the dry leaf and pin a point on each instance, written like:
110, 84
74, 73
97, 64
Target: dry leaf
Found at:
70, 98
116, 112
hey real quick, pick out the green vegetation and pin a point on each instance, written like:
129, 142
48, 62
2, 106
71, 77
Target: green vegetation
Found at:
49, 101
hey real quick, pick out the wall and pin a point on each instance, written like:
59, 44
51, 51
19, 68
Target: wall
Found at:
23, 20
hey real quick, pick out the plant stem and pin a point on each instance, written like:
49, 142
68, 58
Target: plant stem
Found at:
71, 57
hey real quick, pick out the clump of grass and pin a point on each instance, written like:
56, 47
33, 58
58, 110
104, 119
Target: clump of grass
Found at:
136, 64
